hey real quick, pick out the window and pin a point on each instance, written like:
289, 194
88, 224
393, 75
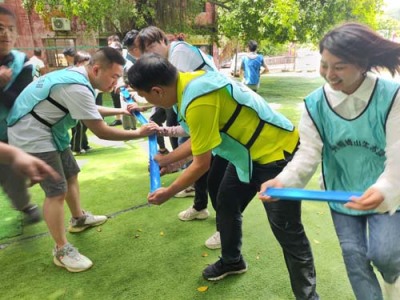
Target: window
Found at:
54, 51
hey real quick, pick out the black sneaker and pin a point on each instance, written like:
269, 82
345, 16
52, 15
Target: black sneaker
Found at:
115, 123
32, 214
220, 270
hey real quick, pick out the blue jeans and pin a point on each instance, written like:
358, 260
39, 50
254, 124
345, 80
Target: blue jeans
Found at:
366, 240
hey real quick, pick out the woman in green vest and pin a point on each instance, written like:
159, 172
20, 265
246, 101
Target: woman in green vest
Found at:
352, 126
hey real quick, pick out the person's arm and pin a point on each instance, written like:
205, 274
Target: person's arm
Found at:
111, 111
23, 79
102, 131
27, 165
183, 151
264, 67
199, 166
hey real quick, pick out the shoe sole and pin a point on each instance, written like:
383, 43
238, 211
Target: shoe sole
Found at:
60, 264
82, 228
195, 218
184, 196
213, 247
226, 274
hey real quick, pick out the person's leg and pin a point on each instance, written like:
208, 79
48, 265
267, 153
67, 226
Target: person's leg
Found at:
53, 212
384, 249
352, 234
80, 220
233, 197
285, 221
15, 186
201, 193
99, 99
64, 254
117, 104
159, 117
79, 138
172, 120
84, 139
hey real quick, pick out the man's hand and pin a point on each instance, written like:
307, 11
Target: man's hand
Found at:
275, 183
146, 130
5, 76
371, 199
159, 196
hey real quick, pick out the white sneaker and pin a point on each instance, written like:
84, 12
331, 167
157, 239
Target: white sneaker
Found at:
191, 214
188, 192
393, 290
68, 257
86, 221
214, 242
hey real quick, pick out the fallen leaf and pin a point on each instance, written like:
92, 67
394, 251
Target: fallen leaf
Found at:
202, 289
204, 254
136, 236
98, 229
317, 242
162, 233
257, 257
140, 230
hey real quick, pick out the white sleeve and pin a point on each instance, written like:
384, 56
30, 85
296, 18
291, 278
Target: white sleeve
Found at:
388, 182
304, 163
79, 100
185, 59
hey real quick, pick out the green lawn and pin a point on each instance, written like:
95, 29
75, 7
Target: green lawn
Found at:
145, 252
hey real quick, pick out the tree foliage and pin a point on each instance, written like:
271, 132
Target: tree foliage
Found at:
120, 16
291, 20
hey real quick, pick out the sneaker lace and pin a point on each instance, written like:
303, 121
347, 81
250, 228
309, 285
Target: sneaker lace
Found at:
68, 250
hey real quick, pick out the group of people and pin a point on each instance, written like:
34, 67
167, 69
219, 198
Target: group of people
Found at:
239, 146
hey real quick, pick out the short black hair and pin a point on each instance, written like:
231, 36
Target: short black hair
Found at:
252, 45
6, 11
116, 45
129, 39
151, 70
37, 52
107, 56
69, 52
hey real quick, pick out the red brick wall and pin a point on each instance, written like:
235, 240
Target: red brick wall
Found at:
30, 28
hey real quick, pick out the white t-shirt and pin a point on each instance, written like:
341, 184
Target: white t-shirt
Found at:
37, 64
33, 136
185, 59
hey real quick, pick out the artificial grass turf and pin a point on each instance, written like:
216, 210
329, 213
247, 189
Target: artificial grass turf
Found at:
145, 252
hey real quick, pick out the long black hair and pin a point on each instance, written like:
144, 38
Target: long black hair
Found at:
358, 44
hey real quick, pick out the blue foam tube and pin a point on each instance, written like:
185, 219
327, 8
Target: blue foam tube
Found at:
155, 181
300, 194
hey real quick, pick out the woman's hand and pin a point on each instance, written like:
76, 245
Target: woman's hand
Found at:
275, 183
371, 199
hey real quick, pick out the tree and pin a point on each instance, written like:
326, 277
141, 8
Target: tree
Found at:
119, 16
280, 21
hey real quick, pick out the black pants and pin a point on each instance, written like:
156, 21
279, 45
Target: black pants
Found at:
172, 120
231, 197
79, 140
115, 99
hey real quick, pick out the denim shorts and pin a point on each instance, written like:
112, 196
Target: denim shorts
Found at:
64, 164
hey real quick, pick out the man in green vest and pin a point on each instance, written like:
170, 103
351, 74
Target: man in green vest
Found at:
226, 118
39, 123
